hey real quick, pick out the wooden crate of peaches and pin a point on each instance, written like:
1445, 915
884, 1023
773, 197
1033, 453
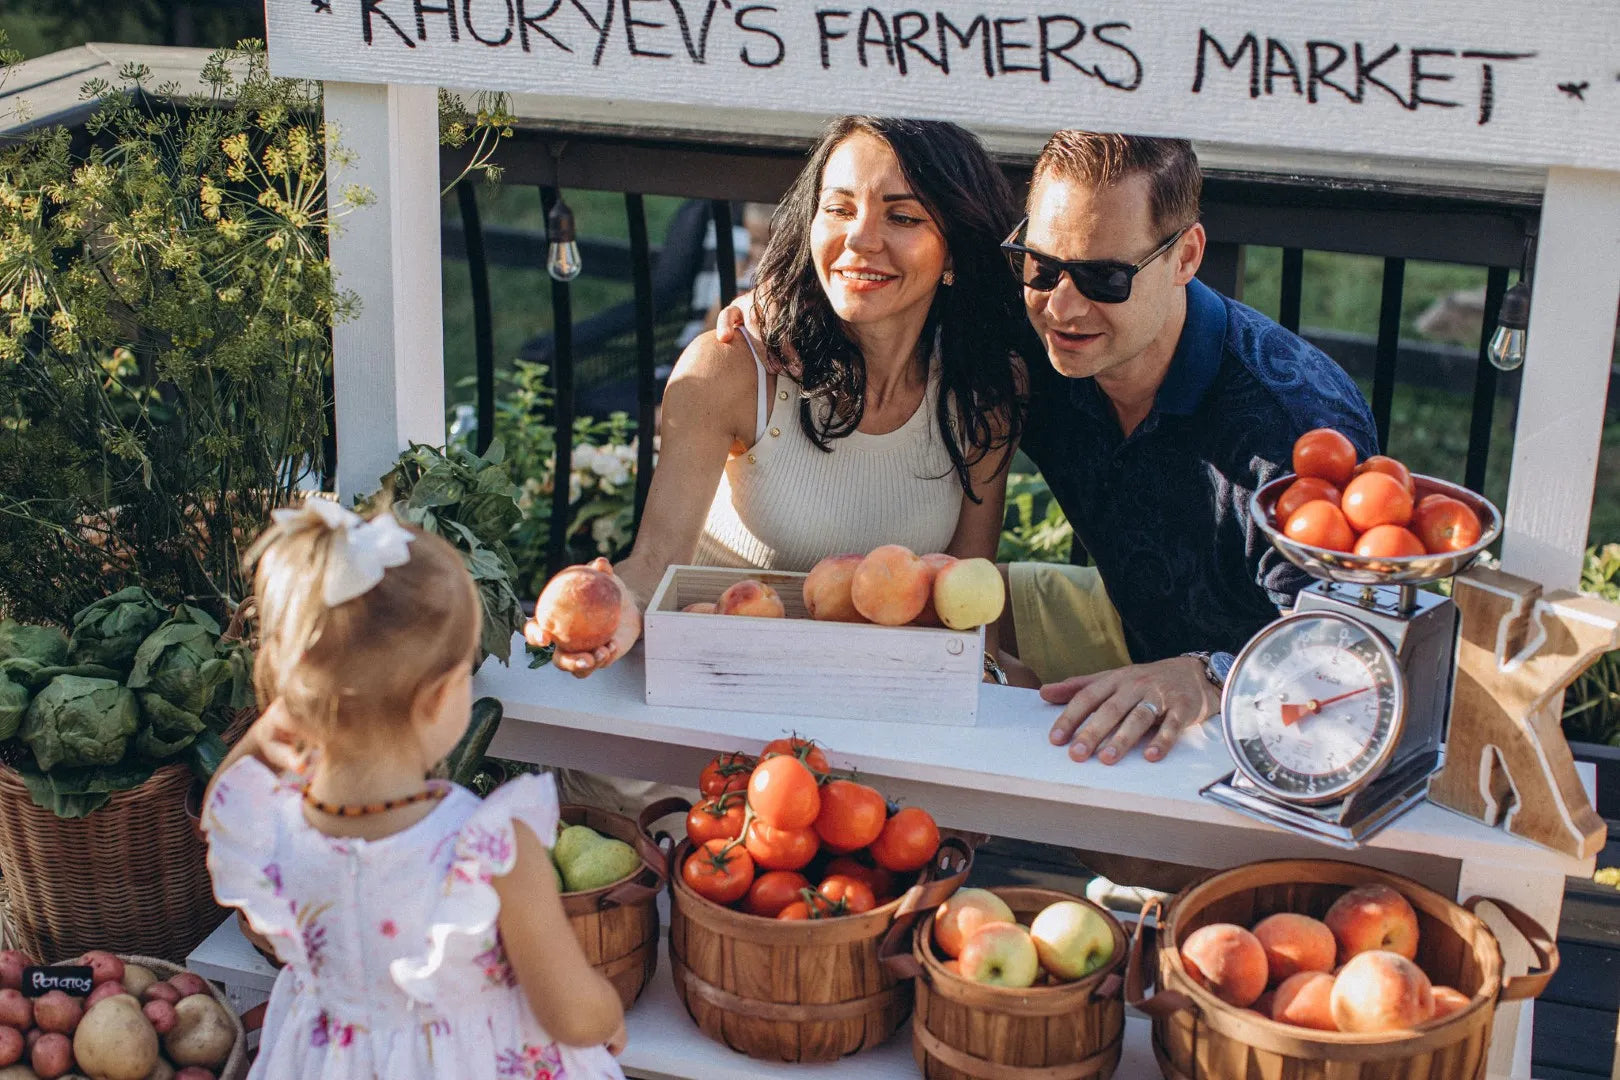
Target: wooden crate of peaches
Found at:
143, 1019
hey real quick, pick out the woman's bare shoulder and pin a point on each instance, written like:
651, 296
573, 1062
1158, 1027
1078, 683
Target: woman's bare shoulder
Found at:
712, 362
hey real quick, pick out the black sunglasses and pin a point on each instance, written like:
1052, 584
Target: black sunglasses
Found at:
1102, 281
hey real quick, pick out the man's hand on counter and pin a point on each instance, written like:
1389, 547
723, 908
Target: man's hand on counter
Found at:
1108, 713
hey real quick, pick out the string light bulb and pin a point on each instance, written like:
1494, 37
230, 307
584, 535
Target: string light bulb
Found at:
563, 261
1507, 344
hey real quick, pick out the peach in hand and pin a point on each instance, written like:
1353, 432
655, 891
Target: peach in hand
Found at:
750, 597
826, 589
1373, 917
578, 610
1381, 991
1295, 943
1305, 999
891, 585
1228, 960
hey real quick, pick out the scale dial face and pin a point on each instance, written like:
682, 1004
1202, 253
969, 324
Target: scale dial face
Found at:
1314, 707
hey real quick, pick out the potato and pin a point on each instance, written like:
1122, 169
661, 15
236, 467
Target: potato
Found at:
161, 1071
161, 991
111, 988
12, 963
18, 1072
104, 966
189, 983
56, 1012
194, 1072
137, 978
15, 1010
203, 1034
115, 1041
11, 1046
53, 1055
30, 1037
161, 1015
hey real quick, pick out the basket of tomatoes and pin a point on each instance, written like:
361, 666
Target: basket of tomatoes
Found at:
1371, 522
790, 879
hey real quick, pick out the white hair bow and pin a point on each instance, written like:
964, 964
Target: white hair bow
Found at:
362, 550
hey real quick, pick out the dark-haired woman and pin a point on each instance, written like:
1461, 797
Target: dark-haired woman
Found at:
884, 277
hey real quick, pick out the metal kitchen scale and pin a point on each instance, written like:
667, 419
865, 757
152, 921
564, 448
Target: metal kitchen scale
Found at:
1335, 713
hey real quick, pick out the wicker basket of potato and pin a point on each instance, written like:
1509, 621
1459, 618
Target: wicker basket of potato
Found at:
144, 1019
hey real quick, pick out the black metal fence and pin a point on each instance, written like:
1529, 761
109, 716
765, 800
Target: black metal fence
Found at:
1397, 222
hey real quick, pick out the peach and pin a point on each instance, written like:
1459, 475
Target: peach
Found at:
1448, 1000
891, 585
1305, 999
826, 589
579, 608
969, 593
1228, 960
1262, 1004
1295, 943
1372, 917
750, 597
963, 912
702, 607
935, 563
1381, 991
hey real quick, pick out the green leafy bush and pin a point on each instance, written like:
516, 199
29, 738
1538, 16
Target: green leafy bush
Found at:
1592, 703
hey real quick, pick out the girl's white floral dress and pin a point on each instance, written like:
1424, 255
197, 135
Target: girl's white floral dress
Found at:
394, 968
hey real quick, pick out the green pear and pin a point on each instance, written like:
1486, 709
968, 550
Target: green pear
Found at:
601, 863
572, 840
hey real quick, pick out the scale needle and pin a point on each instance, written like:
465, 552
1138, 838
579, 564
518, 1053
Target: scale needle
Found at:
1293, 714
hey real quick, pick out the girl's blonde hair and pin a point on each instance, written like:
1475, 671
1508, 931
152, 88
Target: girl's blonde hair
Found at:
366, 658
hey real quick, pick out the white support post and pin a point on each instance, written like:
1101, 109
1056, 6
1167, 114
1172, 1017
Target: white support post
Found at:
1574, 296
388, 362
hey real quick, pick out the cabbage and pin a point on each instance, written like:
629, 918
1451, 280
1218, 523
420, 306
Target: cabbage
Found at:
111, 629
45, 645
78, 721
180, 663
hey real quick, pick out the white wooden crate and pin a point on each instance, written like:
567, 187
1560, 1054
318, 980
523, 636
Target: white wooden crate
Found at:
905, 674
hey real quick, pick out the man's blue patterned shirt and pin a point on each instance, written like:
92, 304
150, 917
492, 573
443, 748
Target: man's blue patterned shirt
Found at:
1165, 512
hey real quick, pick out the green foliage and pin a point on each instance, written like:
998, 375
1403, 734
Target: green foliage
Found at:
471, 502
165, 311
77, 722
1034, 528
1592, 703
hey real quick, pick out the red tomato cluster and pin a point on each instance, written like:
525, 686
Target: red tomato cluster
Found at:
783, 837
1371, 509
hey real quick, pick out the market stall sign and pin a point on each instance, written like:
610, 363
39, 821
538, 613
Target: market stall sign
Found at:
1446, 79
73, 979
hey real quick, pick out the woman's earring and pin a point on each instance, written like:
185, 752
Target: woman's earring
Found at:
948, 278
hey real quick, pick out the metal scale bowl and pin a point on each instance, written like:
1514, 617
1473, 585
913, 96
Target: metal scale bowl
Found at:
1331, 763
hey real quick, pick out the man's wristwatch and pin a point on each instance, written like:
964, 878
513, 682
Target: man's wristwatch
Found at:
1217, 666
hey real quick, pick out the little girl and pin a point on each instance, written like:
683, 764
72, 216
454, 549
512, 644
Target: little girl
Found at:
421, 928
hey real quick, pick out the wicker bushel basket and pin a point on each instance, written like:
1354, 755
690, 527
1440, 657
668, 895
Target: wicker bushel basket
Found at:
965, 1030
1196, 1036
129, 877
812, 990
617, 925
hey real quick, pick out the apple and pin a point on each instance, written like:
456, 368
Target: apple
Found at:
1072, 939
1000, 954
963, 912
969, 593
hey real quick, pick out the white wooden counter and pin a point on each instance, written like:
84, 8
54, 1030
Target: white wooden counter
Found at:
1003, 776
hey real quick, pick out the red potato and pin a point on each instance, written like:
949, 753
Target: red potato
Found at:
56, 1012
189, 983
52, 1055
161, 1014
15, 1010
12, 963
30, 1037
104, 966
11, 1046
194, 1072
104, 990
161, 991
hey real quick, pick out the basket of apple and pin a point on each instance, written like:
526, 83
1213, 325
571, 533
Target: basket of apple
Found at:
1039, 968
1325, 970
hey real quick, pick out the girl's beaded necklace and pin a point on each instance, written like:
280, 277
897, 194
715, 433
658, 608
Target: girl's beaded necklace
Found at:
436, 789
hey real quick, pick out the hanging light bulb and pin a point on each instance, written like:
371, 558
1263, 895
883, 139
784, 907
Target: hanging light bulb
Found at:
562, 255
1507, 344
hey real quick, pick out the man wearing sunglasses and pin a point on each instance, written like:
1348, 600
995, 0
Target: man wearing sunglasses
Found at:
1164, 407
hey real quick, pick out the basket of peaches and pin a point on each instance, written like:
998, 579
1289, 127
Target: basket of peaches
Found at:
1373, 521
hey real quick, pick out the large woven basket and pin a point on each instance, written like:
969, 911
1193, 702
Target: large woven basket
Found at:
129, 877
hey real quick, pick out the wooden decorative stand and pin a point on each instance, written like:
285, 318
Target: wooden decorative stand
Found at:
1507, 762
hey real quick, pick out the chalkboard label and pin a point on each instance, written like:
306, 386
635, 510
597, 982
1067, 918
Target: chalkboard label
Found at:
70, 978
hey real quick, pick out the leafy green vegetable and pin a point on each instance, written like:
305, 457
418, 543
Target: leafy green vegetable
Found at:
33, 674
77, 721
463, 761
73, 793
167, 730
46, 645
111, 629
205, 755
13, 706
180, 663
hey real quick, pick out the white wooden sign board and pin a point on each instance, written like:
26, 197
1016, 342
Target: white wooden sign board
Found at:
1466, 80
